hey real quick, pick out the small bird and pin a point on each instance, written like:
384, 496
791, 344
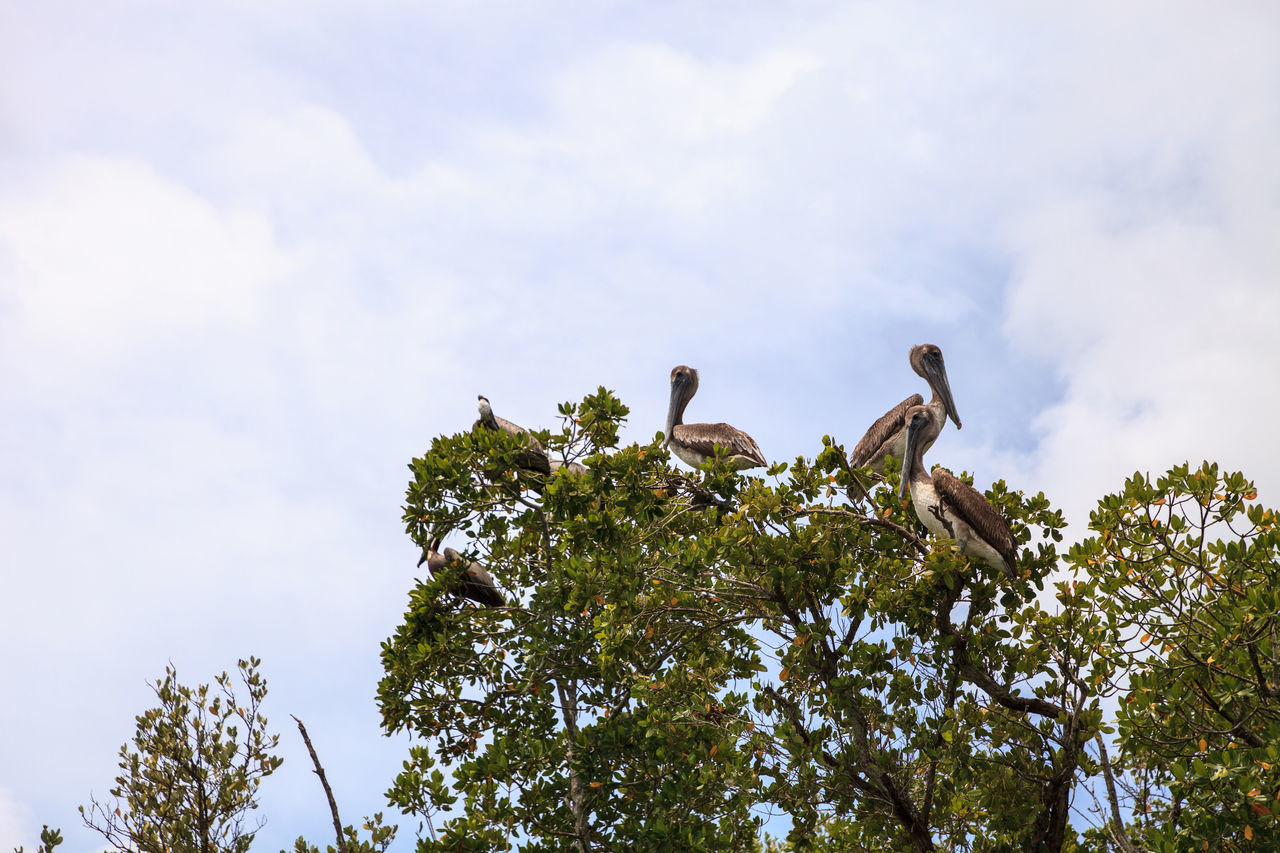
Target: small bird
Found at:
948, 506
889, 434
533, 457
473, 582
695, 443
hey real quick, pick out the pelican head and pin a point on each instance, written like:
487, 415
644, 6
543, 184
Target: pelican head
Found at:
684, 384
431, 555
486, 411
926, 361
922, 428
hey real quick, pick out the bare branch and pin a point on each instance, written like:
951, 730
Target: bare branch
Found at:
328, 792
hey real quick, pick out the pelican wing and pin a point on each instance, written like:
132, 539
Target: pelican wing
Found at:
703, 438
475, 582
576, 468
977, 512
478, 586
533, 457
515, 429
883, 432
509, 428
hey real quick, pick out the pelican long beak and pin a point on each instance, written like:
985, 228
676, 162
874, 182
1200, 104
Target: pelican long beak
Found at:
936, 374
673, 412
908, 460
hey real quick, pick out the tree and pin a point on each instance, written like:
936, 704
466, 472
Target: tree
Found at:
682, 650
1190, 572
679, 652
193, 772
532, 706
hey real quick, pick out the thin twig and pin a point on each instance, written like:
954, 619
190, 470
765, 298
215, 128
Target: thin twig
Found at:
328, 792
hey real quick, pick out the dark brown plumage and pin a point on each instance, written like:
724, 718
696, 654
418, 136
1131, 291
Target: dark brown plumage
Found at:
888, 434
884, 436
948, 506
977, 512
472, 582
696, 443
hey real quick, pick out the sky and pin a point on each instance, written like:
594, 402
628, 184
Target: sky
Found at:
254, 256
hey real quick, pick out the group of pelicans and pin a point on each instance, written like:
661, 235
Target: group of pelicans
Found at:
945, 504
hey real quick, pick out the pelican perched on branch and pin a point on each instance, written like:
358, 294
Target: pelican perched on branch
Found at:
473, 581
695, 443
947, 505
533, 457
888, 435
568, 467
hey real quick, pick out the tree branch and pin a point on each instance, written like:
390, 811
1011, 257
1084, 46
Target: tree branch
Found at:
867, 521
1118, 834
577, 796
876, 782
1237, 725
979, 677
328, 792
953, 685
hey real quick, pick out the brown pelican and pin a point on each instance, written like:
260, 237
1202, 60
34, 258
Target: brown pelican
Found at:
695, 443
569, 467
533, 457
948, 506
473, 582
889, 433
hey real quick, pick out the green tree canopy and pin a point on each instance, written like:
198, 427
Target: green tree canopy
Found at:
1185, 569
192, 774
681, 653
684, 649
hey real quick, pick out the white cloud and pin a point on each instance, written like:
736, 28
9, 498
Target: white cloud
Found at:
294, 246
644, 122
1150, 289
301, 162
104, 257
1159, 332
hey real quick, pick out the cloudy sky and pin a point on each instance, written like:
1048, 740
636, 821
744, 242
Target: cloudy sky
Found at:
253, 256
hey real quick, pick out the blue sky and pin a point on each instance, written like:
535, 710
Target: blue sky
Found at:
253, 256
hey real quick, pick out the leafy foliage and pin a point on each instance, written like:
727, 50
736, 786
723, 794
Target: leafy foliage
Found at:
682, 652
533, 707
193, 772
49, 839
1190, 570
684, 649
379, 839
